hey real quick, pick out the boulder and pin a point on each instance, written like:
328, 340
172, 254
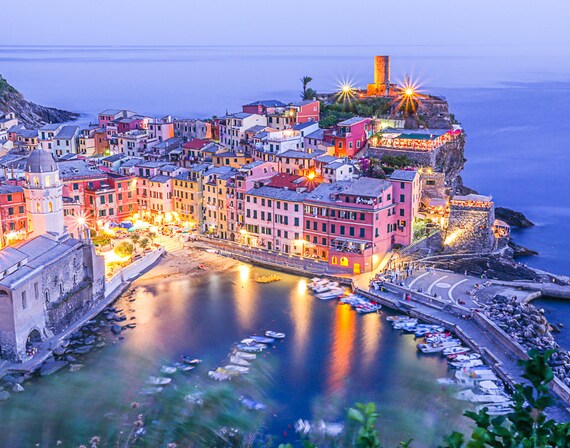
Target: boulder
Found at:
18, 388
116, 329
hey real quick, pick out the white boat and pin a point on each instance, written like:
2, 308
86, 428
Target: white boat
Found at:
218, 376
252, 404
274, 334
368, 308
317, 282
168, 369
485, 392
158, 380
262, 339
497, 409
244, 355
466, 364
234, 368
239, 361
398, 325
398, 318
475, 376
461, 358
248, 341
151, 390
251, 348
436, 348
332, 294
459, 350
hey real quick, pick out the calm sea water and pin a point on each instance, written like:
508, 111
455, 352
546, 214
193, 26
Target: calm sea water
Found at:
330, 358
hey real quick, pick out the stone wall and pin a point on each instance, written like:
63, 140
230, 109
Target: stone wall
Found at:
470, 229
423, 158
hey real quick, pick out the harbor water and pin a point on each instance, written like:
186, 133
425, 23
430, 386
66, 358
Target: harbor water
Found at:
331, 358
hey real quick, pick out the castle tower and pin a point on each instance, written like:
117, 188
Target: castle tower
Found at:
381, 84
43, 193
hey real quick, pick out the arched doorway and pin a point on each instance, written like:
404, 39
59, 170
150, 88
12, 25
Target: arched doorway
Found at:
34, 338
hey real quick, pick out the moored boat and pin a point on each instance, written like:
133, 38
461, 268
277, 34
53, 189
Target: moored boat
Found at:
262, 339
158, 380
274, 334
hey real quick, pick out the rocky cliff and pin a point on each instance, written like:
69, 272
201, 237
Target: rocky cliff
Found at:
30, 114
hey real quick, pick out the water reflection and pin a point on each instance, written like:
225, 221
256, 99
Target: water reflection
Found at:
245, 298
372, 326
343, 335
301, 304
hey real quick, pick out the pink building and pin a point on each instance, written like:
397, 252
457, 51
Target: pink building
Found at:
407, 194
245, 180
350, 224
308, 111
274, 219
262, 107
350, 136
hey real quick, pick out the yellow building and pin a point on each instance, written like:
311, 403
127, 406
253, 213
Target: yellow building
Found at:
187, 195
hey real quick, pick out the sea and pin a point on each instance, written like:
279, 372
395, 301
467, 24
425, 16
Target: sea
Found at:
513, 104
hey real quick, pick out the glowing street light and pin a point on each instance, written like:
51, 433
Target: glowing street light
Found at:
346, 92
408, 96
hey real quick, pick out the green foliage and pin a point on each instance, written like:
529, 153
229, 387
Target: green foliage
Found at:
144, 243
366, 416
135, 238
101, 240
307, 93
400, 161
333, 113
124, 249
527, 425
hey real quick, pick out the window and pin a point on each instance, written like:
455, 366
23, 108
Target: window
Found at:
342, 230
48, 181
10, 210
333, 228
401, 212
9, 198
47, 296
50, 206
334, 260
361, 233
296, 207
24, 300
351, 231
324, 227
308, 224
36, 291
344, 261
21, 209
402, 198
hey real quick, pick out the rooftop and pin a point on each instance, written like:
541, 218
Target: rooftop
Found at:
283, 194
352, 121
403, 175
160, 178
293, 154
196, 143
266, 103
68, 132
78, 168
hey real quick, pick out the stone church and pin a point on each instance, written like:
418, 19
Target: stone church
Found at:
51, 279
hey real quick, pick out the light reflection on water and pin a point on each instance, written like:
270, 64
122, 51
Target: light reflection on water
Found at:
330, 355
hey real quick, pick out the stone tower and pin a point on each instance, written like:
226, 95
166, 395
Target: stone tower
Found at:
381, 84
43, 192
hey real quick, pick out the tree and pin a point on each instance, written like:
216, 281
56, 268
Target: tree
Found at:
144, 243
135, 238
305, 80
124, 249
101, 240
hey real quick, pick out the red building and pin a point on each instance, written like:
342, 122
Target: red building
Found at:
262, 107
308, 111
12, 214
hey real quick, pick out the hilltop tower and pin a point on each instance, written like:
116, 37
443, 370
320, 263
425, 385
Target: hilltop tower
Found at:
44, 194
381, 84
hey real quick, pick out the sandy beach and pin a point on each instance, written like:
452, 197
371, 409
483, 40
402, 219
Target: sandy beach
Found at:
185, 262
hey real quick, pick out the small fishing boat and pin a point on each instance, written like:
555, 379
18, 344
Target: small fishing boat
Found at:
466, 357
225, 371
274, 334
188, 360
497, 409
485, 392
319, 289
423, 330
368, 308
239, 369
262, 339
466, 364
251, 348
238, 361
436, 348
332, 294
474, 376
459, 350
218, 376
168, 369
184, 367
244, 355
151, 390
251, 404
158, 380
317, 282
398, 318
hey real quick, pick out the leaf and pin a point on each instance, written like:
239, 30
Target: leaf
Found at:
356, 415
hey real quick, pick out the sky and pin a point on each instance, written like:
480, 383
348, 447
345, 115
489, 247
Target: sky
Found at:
291, 22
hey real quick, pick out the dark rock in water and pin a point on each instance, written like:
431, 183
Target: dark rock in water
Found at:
4, 395
512, 217
116, 329
83, 350
59, 351
501, 299
90, 340
70, 358
51, 366
521, 251
111, 316
122, 318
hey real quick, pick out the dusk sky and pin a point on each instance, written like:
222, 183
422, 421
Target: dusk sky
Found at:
251, 22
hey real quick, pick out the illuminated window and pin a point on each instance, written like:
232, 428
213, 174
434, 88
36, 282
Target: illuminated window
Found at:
36, 182
48, 181
50, 206
344, 261
334, 260
37, 207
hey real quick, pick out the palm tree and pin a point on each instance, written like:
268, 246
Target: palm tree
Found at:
305, 80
